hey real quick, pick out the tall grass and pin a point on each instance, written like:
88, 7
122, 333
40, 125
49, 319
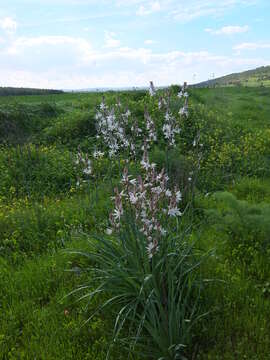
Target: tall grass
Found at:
155, 302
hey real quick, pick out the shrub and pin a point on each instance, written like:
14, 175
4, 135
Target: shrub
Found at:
247, 225
71, 129
19, 122
254, 190
36, 171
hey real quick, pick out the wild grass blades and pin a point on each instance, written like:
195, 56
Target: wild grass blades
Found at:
154, 300
146, 269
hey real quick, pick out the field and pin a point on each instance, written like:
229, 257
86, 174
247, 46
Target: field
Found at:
52, 206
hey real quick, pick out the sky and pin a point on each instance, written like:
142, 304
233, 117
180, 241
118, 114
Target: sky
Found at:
77, 44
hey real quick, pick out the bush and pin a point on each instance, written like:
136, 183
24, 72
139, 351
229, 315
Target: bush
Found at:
247, 226
71, 129
19, 122
36, 171
254, 190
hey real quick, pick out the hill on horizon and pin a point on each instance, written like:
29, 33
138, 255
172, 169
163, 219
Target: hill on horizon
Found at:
256, 77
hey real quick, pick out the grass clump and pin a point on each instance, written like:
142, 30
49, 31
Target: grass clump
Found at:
71, 129
35, 171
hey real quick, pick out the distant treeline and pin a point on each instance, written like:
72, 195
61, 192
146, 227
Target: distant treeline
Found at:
9, 91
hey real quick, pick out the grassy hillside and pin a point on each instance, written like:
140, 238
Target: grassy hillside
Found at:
49, 204
257, 77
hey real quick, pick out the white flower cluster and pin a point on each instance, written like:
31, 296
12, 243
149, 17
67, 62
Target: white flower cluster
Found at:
162, 102
109, 128
84, 164
170, 128
151, 202
98, 154
112, 128
136, 134
196, 142
152, 90
151, 135
120, 131
184, 94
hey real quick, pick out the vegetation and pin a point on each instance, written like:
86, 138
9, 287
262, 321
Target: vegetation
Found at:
79, 277
13, 91
259, 77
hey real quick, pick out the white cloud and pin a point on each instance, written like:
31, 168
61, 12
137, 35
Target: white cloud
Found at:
110, 40
148, 8
184, 11
229, 30
180, 10
8, 24
149, 42
21, 44
70, 62
251, 46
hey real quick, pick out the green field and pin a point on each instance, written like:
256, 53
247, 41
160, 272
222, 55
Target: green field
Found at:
43, 212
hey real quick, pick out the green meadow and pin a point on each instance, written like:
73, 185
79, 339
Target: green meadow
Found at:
51, 210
